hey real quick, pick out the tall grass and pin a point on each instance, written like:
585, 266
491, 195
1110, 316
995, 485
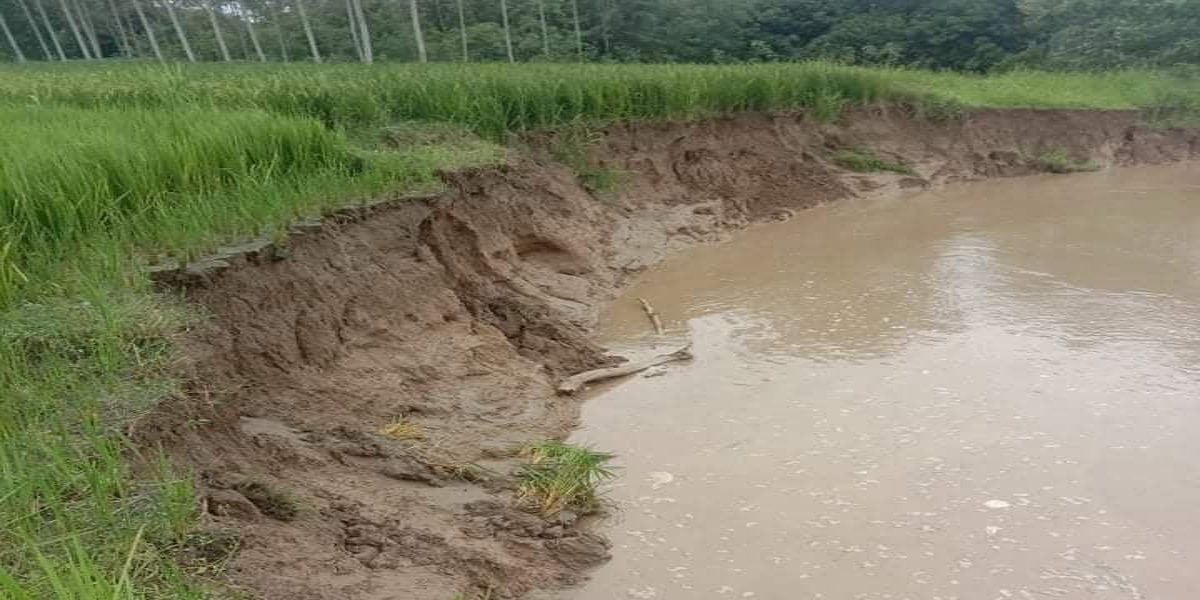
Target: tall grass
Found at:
492, 99
496, 99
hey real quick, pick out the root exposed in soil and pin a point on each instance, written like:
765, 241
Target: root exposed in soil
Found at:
456, 315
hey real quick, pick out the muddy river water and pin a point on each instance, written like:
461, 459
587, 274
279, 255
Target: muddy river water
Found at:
989, 391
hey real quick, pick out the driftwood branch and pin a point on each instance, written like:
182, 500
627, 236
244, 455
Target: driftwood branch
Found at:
657, 322
575, 383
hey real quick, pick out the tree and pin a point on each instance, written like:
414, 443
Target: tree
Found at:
284, 55
508, 46
418, 35
364, 33
89, 28
147, 28
578, 28
37, 31
462, 30
216, 26
83, 47
12, 42
248, 19
183, 39
126, 46
541, 4
308, 32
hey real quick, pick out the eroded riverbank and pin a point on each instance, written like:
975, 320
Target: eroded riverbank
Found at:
984, 391
456, 315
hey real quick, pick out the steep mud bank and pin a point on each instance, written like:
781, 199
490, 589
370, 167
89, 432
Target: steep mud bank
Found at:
456, 314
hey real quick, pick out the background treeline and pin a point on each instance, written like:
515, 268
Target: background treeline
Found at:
974, 35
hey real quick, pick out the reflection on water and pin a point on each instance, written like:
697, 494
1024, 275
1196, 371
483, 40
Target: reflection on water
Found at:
986, 392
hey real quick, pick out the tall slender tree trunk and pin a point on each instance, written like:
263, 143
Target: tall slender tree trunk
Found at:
352, 19
578, 29
216, 25
308, 32
12, 41
275, 18
137, 7
83, 47
89, 28
417, 33
122, 33
462, 30
364, 32
183, 40
545, 28
507, 32
253, 35
50, 29
37, 31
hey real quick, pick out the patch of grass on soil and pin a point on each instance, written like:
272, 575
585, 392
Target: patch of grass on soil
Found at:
558, 476
862, 161
1058, 161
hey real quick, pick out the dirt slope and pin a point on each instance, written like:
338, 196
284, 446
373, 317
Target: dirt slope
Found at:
457, 313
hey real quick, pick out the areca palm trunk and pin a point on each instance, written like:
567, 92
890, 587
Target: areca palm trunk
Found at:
89, 28
216, 25
83, 47
183, 40
462, 30
127, 47
275, 18
50, 29
418, 35
545, 29
11, 40
352, 19
578, 28
37, 31
137, 7
364, 32
253, 35
308, 32
507, 31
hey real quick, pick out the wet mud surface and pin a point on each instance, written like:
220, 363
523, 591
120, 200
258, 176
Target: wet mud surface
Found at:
987, 391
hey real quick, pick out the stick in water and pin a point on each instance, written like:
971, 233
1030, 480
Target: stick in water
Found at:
658, 326
575, 383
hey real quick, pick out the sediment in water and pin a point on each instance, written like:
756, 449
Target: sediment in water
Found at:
456, 314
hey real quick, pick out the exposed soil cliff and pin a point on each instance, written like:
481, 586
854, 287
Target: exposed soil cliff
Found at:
456, 315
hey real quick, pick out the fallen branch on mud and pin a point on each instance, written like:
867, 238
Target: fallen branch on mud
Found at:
654, 320
575, 383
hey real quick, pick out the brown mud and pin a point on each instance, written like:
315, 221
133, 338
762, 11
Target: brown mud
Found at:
456, 316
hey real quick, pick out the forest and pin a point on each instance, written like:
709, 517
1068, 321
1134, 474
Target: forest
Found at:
966, 35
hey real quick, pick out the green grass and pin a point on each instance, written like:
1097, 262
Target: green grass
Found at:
558, 476
1059, 161
862, 161
107, 166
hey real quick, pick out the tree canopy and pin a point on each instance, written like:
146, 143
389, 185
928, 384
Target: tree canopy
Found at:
969, 35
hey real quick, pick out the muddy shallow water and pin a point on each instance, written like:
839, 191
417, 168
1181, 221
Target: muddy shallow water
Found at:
984, 392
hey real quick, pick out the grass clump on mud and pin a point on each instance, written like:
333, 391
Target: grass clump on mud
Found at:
557, 476
863, 161
1059, 161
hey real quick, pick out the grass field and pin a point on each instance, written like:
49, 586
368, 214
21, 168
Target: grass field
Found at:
104, 166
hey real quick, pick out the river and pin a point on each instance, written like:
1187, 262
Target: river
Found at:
987, 391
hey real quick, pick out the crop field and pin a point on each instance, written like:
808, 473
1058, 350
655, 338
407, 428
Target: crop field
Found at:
105, 167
